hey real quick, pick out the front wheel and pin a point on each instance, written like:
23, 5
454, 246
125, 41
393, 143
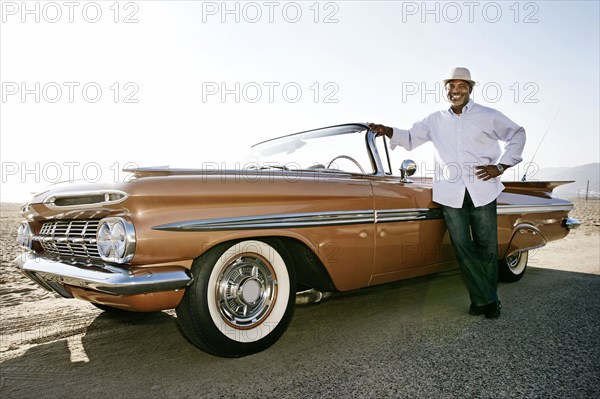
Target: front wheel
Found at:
512, 268
241, 299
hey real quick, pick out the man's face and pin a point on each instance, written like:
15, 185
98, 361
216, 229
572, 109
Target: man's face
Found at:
458, 92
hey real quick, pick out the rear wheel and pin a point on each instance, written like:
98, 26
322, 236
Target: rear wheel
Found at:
241, 299
512, 268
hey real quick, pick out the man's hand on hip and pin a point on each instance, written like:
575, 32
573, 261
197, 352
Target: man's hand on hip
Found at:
486, 172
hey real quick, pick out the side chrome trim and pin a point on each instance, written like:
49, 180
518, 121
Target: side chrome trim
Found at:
515, 209
102, 278
403, 215
290, 220
310, 219
313, 219
85, 199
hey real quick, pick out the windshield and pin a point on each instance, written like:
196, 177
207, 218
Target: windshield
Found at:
337, 148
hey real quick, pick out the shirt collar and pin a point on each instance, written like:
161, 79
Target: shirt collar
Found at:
466, 108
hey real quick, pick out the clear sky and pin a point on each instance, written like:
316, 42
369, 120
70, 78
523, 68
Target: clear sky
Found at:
89, 87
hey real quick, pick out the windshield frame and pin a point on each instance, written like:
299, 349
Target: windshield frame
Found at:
373, 153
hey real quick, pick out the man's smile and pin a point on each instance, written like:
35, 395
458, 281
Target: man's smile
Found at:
457, 98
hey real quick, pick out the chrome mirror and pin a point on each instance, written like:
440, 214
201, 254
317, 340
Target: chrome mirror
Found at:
408, 168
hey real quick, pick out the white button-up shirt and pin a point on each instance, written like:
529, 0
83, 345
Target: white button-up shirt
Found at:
462, 142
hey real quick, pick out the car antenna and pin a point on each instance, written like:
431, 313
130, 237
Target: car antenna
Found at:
538, 147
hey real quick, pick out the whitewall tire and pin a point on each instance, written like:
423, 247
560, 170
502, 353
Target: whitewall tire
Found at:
512, 268
241, 299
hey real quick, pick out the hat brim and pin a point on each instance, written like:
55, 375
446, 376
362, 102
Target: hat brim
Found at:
471, 82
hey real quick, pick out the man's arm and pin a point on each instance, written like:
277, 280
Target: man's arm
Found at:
513, 149
514, 137
409, 139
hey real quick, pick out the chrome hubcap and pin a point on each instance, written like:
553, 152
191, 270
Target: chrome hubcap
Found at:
247, 288
251, 291
516, 262
513, 260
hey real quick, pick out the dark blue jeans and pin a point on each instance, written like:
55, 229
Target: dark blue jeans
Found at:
474, 235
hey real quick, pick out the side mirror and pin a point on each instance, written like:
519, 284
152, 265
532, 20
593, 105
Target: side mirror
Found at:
408, 168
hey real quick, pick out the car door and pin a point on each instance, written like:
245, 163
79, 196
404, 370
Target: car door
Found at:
410, 234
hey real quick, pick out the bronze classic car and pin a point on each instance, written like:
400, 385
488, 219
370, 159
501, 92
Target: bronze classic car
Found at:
317, 211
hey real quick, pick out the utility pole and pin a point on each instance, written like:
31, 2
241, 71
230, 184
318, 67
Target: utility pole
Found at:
587, 190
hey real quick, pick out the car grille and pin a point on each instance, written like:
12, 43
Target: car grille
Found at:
70, 238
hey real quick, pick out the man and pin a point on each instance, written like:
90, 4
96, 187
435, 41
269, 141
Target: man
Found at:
468, 163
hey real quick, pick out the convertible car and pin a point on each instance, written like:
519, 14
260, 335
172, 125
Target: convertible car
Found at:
319, 211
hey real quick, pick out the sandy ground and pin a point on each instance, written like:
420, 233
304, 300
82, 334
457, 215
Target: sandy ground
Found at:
40, 333
580, 250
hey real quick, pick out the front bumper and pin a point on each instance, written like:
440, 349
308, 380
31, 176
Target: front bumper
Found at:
54, 275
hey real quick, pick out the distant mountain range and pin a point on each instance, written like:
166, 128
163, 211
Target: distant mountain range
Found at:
581, 174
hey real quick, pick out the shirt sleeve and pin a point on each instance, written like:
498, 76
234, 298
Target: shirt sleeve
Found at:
418, 134
514, 137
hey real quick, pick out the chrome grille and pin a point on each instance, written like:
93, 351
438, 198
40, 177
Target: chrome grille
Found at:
72, 238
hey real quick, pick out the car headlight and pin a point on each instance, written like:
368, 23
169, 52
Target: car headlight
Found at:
116, 240
25, 235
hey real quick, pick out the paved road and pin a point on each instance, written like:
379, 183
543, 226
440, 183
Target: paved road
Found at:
410, 339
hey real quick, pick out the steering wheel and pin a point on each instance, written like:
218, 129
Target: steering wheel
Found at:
349, 159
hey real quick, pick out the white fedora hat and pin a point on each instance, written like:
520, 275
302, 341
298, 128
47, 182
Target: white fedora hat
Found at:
460, 73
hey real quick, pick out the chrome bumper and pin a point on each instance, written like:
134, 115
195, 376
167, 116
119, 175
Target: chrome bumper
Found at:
570, 223
54, 275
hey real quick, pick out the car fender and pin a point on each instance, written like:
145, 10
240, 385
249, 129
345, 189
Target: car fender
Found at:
525, 237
